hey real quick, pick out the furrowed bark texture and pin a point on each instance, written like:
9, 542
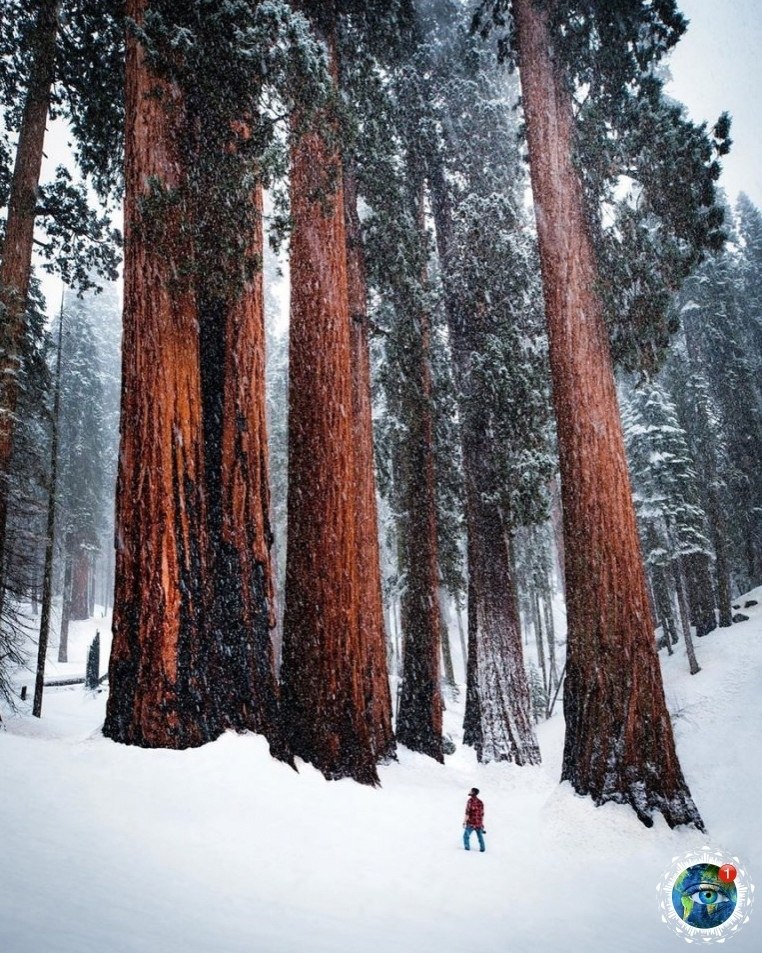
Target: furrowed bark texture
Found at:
16, 265
498, 720
619, 744
238, 506
419, 722
158, 693
506, 728
378, 698
323, 673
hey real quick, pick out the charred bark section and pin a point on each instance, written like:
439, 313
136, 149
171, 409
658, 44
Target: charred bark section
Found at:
159, 693
323, 673
619, 744
242, 610
16, 265
378, 699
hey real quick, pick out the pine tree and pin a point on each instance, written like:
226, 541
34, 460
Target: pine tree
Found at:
82, 477
699, 419
666, 494
27, 495
711, 311
76, 240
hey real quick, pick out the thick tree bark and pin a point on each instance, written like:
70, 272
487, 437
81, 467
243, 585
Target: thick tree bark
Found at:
159, 693
324, 672
378, 698
506, 730
498, 719
16, 264
419, 723
239, 535
619, 744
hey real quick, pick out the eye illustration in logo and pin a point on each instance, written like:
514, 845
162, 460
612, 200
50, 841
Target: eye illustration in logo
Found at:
706, 895
701, 898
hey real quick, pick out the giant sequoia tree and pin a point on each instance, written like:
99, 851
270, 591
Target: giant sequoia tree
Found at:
331, 717
196, 656
159, 694
619, 744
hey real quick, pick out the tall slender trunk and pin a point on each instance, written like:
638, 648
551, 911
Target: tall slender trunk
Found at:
619, 744
550, 629
540, 640
378, 698
499, 724
50, 537
685, 615
16, 264
159, 690
66, 601
419, 725
323, 673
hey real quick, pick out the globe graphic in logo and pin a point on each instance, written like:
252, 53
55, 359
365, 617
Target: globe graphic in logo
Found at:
702, 898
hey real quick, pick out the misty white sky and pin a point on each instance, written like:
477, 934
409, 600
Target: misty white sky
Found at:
717, 66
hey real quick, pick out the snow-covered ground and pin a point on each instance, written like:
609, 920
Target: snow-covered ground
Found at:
110, 849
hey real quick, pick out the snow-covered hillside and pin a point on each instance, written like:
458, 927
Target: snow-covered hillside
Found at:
109, 849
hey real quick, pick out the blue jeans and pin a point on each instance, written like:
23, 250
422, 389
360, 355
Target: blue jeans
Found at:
467, 837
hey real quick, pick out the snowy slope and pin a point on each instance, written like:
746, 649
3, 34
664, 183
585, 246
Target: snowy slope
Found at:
109, 849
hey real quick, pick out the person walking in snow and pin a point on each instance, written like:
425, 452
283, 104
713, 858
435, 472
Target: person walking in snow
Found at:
474, 820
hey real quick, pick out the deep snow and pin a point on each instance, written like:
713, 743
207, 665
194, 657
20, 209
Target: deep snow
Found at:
110, 849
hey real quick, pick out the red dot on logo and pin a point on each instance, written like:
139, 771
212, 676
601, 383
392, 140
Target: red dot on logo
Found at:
728, 873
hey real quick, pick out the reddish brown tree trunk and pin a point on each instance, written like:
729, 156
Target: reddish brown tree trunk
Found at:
238, 503
619, 744
16, 265
159, 696
419, 722
323, 672
371, 613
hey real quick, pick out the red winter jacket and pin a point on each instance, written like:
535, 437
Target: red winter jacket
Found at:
474, 812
